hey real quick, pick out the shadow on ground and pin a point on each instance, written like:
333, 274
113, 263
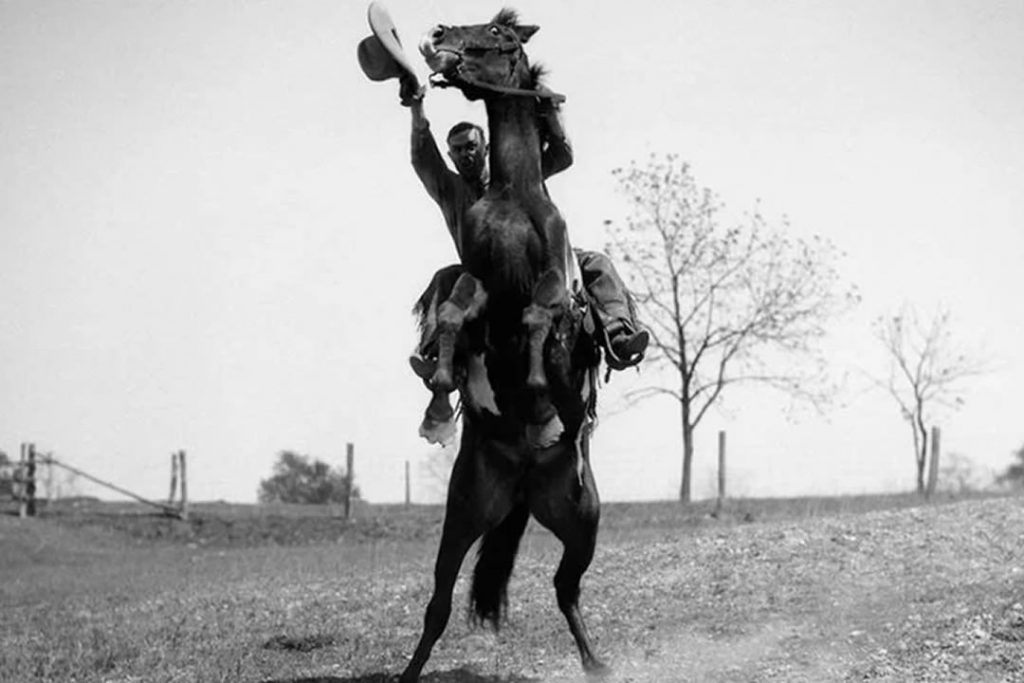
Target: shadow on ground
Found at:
461, 675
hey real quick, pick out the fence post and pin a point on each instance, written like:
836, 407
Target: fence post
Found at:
933, 464
20, 480
48, 460
184, 484
28, 488
174, 478
408, 488
721, 473
350, 457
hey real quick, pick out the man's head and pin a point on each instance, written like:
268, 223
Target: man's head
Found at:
467, 148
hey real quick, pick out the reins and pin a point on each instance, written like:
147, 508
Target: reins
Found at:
557, 98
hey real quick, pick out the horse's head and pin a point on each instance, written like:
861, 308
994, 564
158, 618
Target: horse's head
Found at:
481, 57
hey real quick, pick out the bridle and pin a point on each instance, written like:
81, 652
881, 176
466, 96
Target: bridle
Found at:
439, 80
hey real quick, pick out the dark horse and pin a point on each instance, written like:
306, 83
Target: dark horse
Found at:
515, 343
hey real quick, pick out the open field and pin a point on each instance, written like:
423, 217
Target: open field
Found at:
875, 588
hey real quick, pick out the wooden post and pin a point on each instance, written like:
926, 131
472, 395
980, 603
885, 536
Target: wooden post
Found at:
721, 473
408, 488
22, 469
184, 485
49, 479
933, 464
28, 491
174, 478
350, 457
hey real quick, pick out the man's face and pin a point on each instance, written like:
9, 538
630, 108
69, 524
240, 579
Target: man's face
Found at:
468, 152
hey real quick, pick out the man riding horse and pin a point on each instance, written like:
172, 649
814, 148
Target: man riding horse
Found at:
622, 338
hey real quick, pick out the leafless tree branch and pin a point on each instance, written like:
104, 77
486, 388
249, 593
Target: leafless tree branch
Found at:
719, 300
926, 370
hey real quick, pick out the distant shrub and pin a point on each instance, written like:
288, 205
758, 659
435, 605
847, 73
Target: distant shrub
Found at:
1013, 476
6, 475
958, 474
301, 479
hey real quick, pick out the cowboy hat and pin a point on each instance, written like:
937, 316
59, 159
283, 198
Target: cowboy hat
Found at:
381, 55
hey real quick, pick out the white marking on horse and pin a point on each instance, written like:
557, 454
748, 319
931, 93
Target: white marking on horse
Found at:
479, 392
547, 434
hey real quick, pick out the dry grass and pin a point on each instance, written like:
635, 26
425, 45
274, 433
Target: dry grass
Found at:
867, 588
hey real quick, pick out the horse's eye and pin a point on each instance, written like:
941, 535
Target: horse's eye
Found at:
495, 31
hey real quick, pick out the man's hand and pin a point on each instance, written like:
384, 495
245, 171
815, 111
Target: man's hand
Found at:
409, 90
546, 105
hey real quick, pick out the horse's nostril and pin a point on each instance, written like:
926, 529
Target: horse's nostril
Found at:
437, 33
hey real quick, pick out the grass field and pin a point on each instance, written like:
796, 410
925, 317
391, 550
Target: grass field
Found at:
832, 589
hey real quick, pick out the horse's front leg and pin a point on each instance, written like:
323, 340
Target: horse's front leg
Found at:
549, 301
465, 304
550, 295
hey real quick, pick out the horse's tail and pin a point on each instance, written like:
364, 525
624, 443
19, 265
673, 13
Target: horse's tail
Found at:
488, 597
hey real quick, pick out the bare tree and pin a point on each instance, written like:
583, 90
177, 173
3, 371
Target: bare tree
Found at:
724, 305
926, 371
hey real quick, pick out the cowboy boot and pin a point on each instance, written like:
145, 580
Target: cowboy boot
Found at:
438, 424
625, 345
422, 366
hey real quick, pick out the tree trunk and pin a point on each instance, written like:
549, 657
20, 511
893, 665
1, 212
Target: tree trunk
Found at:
684, 486
921, 443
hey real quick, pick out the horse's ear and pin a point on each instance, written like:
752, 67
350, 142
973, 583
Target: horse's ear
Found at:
525, 32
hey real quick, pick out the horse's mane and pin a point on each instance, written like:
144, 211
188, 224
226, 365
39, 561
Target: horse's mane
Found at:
506, 17
538, 72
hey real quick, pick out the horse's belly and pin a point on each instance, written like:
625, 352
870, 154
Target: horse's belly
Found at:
506, 222
504, 247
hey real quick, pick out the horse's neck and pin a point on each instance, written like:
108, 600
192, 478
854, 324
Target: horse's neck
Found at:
515, 145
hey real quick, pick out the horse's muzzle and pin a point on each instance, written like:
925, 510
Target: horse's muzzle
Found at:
439, 59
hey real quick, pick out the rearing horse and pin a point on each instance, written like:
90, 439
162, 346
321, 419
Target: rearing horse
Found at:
526, 363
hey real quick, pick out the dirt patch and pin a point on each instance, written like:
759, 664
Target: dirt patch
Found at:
922, 595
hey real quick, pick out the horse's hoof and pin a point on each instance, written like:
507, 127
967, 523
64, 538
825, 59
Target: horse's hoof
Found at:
596, 669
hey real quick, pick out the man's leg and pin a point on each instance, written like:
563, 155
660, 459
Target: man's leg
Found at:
625, 341
438, 425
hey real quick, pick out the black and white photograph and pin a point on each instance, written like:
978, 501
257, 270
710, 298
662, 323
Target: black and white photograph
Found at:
366, 341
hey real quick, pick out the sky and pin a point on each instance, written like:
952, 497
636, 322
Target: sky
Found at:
211, 236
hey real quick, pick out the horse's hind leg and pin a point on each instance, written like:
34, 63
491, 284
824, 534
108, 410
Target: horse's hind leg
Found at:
565, 501
456, 538
475, 503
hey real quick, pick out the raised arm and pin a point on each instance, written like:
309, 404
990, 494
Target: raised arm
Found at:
426, 157
443, 185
